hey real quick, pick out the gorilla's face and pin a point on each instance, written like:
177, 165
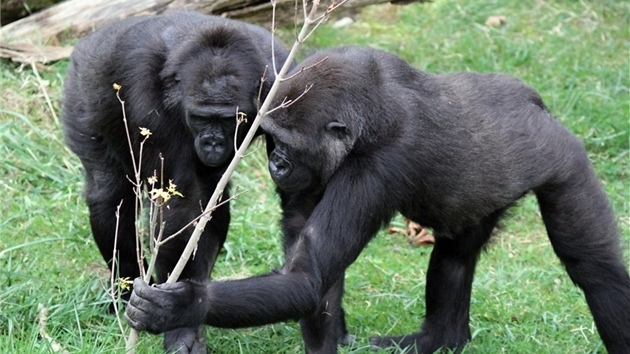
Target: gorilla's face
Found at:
319, 127
287, 175
214, 140
305, 156
217, 92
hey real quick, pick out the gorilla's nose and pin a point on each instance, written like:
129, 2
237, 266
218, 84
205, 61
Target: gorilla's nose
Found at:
212, 149
279, 166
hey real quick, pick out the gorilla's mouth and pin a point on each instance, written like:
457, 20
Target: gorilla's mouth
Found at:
213, 149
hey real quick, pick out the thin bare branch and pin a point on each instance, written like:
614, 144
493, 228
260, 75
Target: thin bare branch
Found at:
250, 153
263, 79
193, 221
323, 17
152, 223
286, 102
130, 343
305, 12
44, 91
154, 253
124, 113
112, 277
241, 117
273, 41
42, 317
303, 69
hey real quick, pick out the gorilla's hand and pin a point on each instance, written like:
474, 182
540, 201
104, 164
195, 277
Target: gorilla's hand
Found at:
164, 307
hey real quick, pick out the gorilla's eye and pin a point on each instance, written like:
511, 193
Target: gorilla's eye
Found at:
196, 118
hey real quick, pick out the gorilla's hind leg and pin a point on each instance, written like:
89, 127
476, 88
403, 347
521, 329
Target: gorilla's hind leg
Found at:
104, 194
448, 291
326, 328
583, 233
191, 340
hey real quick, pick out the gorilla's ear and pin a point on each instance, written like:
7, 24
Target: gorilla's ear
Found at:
337, 128
172, 93
169, 74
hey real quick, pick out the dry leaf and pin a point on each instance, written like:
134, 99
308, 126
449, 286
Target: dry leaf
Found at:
495, 21
423, 238
416, 234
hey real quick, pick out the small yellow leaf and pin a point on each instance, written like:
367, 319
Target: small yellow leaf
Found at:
117, 87
145, 132
125, 283
172, 189
159, 193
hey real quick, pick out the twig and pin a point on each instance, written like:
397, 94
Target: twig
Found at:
193, 221
41, 86
286, 102
124, 113
273, 46
112, 275
42, 317
263, 79
303, 69
241, 117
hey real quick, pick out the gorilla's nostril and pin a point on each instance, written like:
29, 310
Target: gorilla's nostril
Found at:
279, 166
211, 143
277, 169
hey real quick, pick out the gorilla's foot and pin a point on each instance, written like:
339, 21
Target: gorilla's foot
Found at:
185, 341
418, 343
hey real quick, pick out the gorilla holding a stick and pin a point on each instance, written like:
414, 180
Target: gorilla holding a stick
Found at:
375, 136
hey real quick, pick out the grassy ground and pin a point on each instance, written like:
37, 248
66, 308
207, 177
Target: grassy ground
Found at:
574, 52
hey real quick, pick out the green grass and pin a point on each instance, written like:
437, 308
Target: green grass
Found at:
574, 53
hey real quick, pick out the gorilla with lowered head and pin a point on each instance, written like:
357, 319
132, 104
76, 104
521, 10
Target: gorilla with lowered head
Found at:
185, 76
452, 152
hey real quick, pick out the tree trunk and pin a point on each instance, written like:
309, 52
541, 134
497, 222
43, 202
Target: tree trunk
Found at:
77, 17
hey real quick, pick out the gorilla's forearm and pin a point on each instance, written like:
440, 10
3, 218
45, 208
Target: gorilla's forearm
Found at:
261, 300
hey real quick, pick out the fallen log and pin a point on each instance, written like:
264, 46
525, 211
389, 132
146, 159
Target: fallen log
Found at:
29, 53
76, 17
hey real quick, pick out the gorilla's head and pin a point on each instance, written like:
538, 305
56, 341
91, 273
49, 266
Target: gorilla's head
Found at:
216, 81
346, 109
315, 132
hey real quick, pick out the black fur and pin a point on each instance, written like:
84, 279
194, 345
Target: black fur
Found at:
183, 76
375, 136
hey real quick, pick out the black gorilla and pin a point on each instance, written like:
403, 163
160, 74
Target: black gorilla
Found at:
184, 76
375, 136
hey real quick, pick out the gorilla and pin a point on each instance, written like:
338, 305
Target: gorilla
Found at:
185, 77
375, 136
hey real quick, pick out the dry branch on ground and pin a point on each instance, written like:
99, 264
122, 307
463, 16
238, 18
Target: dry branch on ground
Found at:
77, 17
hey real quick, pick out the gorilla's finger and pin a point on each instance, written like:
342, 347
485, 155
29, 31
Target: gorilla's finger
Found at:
160, 293
131, 314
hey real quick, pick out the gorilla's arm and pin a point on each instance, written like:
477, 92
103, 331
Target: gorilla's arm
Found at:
229, 304
332, 239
